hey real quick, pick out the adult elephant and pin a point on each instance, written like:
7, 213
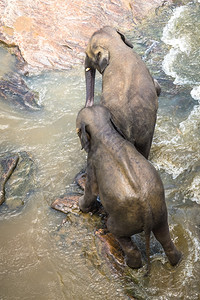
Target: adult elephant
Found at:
129, 187
128, 89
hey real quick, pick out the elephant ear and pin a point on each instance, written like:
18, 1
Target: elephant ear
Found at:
103, 59
117, 129
124, 39
84, 137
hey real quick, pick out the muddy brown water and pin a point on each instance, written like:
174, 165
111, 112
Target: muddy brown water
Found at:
43, 258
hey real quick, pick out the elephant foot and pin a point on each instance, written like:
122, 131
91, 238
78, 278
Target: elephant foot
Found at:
82, 205
133, 256
94, 206
174, 256
134, 260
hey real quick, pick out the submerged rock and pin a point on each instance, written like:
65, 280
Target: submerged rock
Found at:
8, 164
14, 90
13, 87
17, 180
109, 246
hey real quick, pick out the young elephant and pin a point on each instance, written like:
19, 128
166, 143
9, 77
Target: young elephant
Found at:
129, 187
128, 89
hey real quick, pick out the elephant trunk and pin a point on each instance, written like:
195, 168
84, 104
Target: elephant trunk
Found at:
90, 81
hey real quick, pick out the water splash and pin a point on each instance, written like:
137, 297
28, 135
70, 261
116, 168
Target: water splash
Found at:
182, 33
179, 138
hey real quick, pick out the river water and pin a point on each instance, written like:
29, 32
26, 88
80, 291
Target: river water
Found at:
42, 258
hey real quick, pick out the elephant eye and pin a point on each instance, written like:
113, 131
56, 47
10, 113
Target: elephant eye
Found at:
98, 55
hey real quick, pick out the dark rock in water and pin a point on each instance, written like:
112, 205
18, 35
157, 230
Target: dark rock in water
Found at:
13, 89
110, 248
67, 204
7, 165
17, 180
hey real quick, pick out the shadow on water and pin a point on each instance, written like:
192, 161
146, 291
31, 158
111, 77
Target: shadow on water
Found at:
42, 257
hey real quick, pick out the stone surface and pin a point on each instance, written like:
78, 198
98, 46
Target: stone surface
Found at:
67, 204
110, 249
53, 34
8, 163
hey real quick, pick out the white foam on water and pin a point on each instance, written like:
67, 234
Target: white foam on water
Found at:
191, 124
168, 62
181, 62
173, 151
170, 37
196, 246
168, 67
179, 152
195, 93
3, 127
179, 42
194, 189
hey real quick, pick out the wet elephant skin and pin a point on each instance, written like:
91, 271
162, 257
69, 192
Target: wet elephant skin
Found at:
129, 187
128, 89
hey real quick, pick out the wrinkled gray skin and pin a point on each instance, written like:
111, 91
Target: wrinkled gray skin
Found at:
128, 89
129, 187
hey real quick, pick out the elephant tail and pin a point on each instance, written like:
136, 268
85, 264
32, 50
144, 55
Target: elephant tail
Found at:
147, 242
157, 86
147, 231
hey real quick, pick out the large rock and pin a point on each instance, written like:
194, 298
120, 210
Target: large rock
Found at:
53, 34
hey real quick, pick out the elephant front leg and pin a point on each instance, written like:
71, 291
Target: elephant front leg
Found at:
131, 251
88, 201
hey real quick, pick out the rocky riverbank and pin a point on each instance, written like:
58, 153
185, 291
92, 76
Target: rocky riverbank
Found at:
53, 35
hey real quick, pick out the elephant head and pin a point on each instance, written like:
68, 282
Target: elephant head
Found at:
98, 56
92, 122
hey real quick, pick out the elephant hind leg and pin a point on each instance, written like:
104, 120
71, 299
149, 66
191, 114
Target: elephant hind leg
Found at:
132, 254
163, 236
